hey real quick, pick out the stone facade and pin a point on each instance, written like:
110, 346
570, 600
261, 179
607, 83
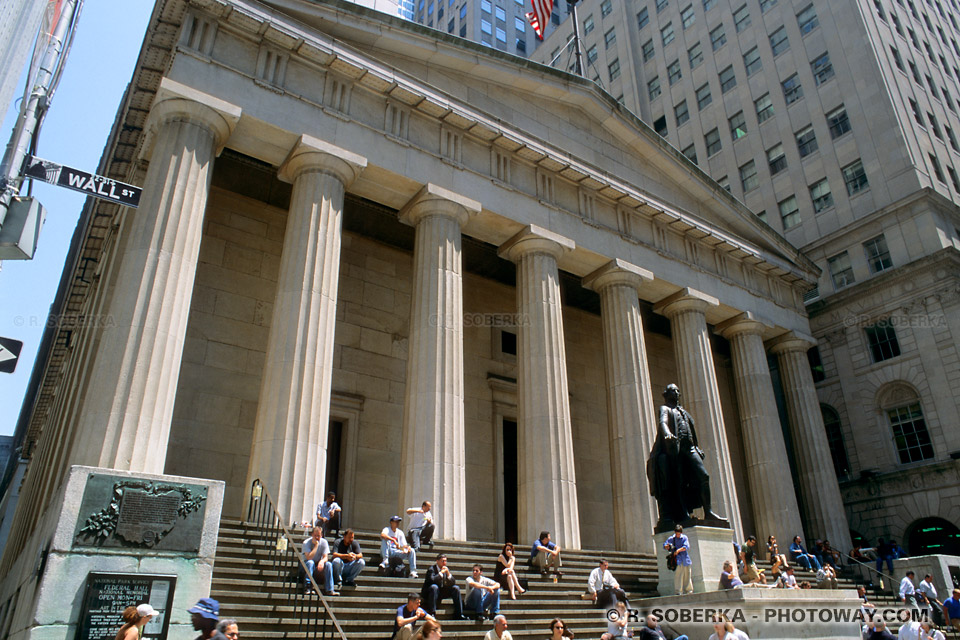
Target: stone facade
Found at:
408, 252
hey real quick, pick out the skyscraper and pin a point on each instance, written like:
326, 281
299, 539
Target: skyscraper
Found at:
500, 24
836, 123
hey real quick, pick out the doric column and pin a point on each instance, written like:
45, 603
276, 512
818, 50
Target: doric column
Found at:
547, 477
289, 451
432, 460
125, 420
775, 510
697, 378
820, 500
631, 418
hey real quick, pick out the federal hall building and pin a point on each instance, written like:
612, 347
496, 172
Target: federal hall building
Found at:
382, 260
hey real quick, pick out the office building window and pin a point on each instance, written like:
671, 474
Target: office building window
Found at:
738, 126
501, 35
937, 169
751, 60
838, 122
710, 4
695, 55
741, 18
879, 7
882, 339
592, 54
806, 141
954, 178
486, 27
822, 68
792, 91
878, 256
718, 37
691, 153
934, 125
687, 17
712, 140
840, 270
766, 4
910, 433
614, 69
673, 71
778, 41
703, 96
821, 195
643, 18
725, 183
952, 137
748, 176
666, 33
789, 212
915, 72
653, 87
776, 159
807, 19
728, 80
855, 178
610, 38
897, 60
916, 111
588, 24
764, 107
606, 7
681, 113
647, 50
660, 126
500, 13
661, 5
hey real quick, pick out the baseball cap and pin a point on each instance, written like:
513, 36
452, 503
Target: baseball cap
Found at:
396, 519
145, 610
206, 607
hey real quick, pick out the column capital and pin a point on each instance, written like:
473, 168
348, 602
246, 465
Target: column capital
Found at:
175, 101
686, 299
433, 199
313, 154
745, 323
792, 341
616, 272
534, 239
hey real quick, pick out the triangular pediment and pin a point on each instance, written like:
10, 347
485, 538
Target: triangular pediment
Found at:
595, 139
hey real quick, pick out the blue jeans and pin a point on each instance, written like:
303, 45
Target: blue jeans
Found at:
327, 574
808, 562
347, 571
480, 601
425, 532
393, 552
889, 560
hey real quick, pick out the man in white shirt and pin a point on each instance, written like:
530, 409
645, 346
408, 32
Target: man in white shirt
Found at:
393, 544
421, 525
499, 631
483, 594
316, 553
908, 593
909, 631
928, 592
827, 577
603, 588
788, 579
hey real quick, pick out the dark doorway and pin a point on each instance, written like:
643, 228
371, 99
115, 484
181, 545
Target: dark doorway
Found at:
930, 536
510, 480
334, 441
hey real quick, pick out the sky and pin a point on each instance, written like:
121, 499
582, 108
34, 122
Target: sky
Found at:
99, 67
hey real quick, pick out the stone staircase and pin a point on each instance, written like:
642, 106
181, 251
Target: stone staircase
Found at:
267, 604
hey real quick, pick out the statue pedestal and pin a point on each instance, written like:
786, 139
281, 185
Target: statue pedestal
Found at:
709, 547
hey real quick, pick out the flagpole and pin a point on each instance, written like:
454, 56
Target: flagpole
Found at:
577, 49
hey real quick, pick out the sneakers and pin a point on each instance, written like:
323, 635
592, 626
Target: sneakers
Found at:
414, 574
331, 593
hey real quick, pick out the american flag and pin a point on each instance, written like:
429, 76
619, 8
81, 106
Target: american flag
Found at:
540, 15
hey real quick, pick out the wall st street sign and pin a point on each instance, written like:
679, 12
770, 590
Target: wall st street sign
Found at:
9, 353
84, 182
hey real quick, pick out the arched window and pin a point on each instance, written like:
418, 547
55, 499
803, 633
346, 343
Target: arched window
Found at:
901, 404
933, 536
831, 422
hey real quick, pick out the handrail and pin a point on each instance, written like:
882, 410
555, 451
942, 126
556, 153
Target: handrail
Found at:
263, 514
864, 565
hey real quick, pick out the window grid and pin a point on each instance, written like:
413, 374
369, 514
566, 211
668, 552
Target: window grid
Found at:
738, 126
779, 42
882, 339
695, 55
792, 90
822, 68
878, 255
821, 195
776, 159
806, 141
841, 272
910, 433
681, 113
748, 176
666, 33
741, 18
674, 73
764, 107
647, 50
838, 122
712, 140
807, 19
855, 178
728, 79
687, 17
703, 97
789, 212
751, 60
718, 37
653, 88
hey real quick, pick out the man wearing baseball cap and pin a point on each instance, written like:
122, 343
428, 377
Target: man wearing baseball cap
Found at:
204, 616
393, 544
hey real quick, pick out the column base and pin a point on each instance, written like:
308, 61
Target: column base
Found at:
709, 547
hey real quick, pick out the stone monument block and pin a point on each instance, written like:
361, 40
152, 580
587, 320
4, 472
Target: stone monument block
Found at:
709, 547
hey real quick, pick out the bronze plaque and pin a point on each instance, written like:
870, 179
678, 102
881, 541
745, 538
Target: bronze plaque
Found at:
132, 512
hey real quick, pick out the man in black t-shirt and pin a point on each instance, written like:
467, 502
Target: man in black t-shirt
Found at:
749, 554
408, 615
347, 561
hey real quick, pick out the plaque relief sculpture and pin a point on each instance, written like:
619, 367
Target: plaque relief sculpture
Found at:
141, 512
675, 471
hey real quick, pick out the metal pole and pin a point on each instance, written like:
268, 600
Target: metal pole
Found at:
577, 48
31, 115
